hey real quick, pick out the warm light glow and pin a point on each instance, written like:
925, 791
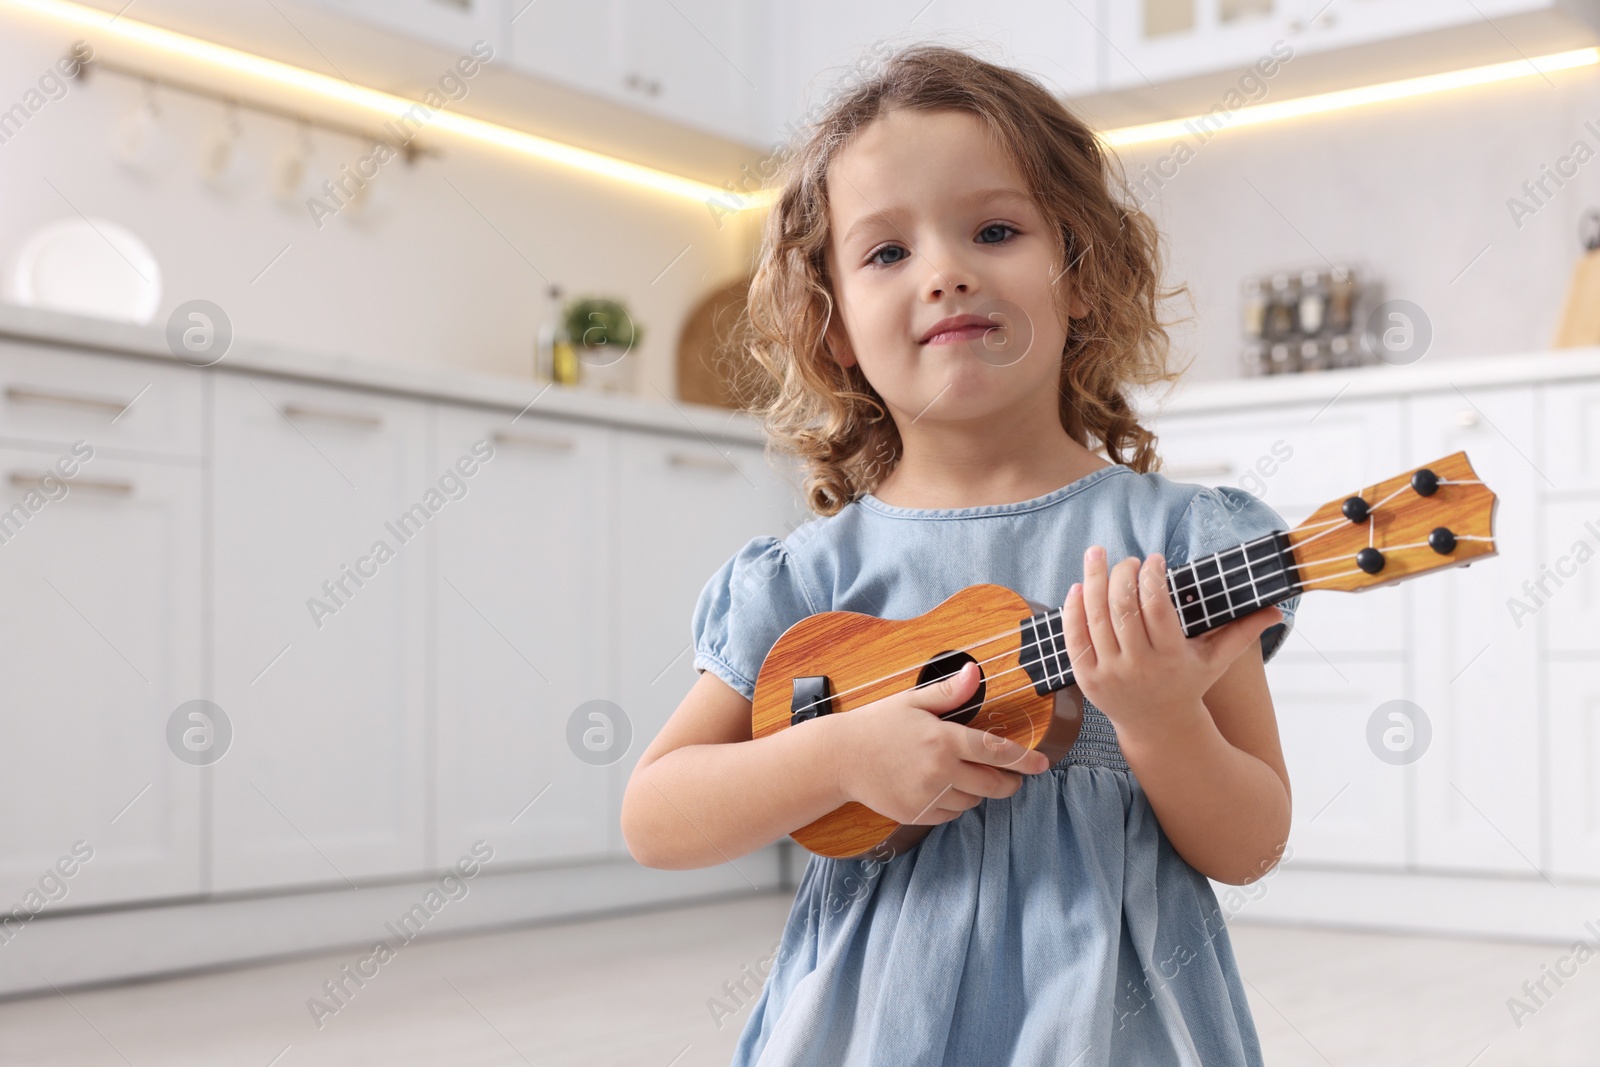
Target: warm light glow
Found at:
726, 201
387, 105
1255, 114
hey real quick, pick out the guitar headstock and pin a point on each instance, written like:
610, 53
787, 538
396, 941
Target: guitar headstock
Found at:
1436, 516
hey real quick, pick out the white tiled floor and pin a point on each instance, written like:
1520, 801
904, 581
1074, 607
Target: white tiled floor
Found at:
634, 990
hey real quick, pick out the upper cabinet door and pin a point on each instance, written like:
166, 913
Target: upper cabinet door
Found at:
697, 62
1152, 41
453, 23
581, 44
1056, 43
822, 43
825, 45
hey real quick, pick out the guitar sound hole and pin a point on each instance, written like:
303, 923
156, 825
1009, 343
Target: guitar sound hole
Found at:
943, 666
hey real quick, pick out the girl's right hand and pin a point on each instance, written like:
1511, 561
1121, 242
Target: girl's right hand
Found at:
901, 760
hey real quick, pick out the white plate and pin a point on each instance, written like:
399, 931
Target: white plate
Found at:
87, 267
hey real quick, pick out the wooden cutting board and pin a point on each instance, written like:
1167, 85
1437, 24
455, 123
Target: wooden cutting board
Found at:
1580, 319
707, 349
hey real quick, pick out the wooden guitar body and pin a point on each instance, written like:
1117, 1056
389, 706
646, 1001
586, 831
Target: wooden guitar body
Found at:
863, 658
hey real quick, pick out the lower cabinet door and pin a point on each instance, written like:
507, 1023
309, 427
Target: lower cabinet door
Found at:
1572, 694
1347, 778
1475, 650
100, 644
521, 628
325, 513
684, 508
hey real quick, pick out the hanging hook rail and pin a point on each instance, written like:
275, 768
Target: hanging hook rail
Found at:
83, 60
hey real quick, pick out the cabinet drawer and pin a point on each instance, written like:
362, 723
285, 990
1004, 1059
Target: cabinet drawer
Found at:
1298, 456
1571, 435
58, 396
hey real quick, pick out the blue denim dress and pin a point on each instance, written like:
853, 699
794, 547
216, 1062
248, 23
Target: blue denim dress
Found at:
1056, 926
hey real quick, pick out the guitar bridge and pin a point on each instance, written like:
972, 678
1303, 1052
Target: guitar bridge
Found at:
813, 696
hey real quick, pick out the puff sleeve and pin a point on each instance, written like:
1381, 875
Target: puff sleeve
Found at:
1222, 517
744, 608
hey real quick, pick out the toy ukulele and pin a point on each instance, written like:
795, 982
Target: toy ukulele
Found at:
1431, 518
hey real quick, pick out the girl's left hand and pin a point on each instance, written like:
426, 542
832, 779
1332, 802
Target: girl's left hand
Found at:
1126, 644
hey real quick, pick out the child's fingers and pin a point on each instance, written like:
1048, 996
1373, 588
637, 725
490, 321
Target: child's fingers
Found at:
1161, 620
1126, 613
1096, 609
1227, 642
1075, 630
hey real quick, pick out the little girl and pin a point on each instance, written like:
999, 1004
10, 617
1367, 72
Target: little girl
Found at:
949, 305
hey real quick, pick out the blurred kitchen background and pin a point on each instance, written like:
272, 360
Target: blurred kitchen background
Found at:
261, 315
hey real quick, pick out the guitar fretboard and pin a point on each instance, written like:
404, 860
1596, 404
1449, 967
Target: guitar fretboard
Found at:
1208, 592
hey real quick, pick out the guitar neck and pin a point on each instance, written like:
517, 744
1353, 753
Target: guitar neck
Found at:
1208, 592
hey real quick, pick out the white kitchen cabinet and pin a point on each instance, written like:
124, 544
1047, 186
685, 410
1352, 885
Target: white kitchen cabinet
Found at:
53, 397
319, 634
1349, 808
1475, 669
522, 613
1153, 41
1571, 415
100, 644
582, 44
455, 24
1366, 21
1292, 455
1563, 591
1572, 690
825, 45
1056, 43
698, 62
666, 550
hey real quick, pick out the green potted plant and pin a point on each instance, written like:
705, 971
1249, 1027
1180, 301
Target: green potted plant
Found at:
603, 333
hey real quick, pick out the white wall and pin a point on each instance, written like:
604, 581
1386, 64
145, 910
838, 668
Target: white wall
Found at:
427, 277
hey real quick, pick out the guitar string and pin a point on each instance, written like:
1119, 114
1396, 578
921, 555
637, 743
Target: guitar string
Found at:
1039, 644
1390, 548
1332, 524
1010, 670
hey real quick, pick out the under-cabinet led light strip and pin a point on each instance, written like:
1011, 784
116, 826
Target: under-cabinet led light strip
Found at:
1342, 99
387, 105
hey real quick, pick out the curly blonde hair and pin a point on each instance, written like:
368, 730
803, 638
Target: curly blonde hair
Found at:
830, 416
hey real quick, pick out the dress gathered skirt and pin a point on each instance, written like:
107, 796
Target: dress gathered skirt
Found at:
1053, 927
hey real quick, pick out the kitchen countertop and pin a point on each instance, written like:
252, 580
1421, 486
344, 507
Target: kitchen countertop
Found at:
444, 382
428, 381
1424, 376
